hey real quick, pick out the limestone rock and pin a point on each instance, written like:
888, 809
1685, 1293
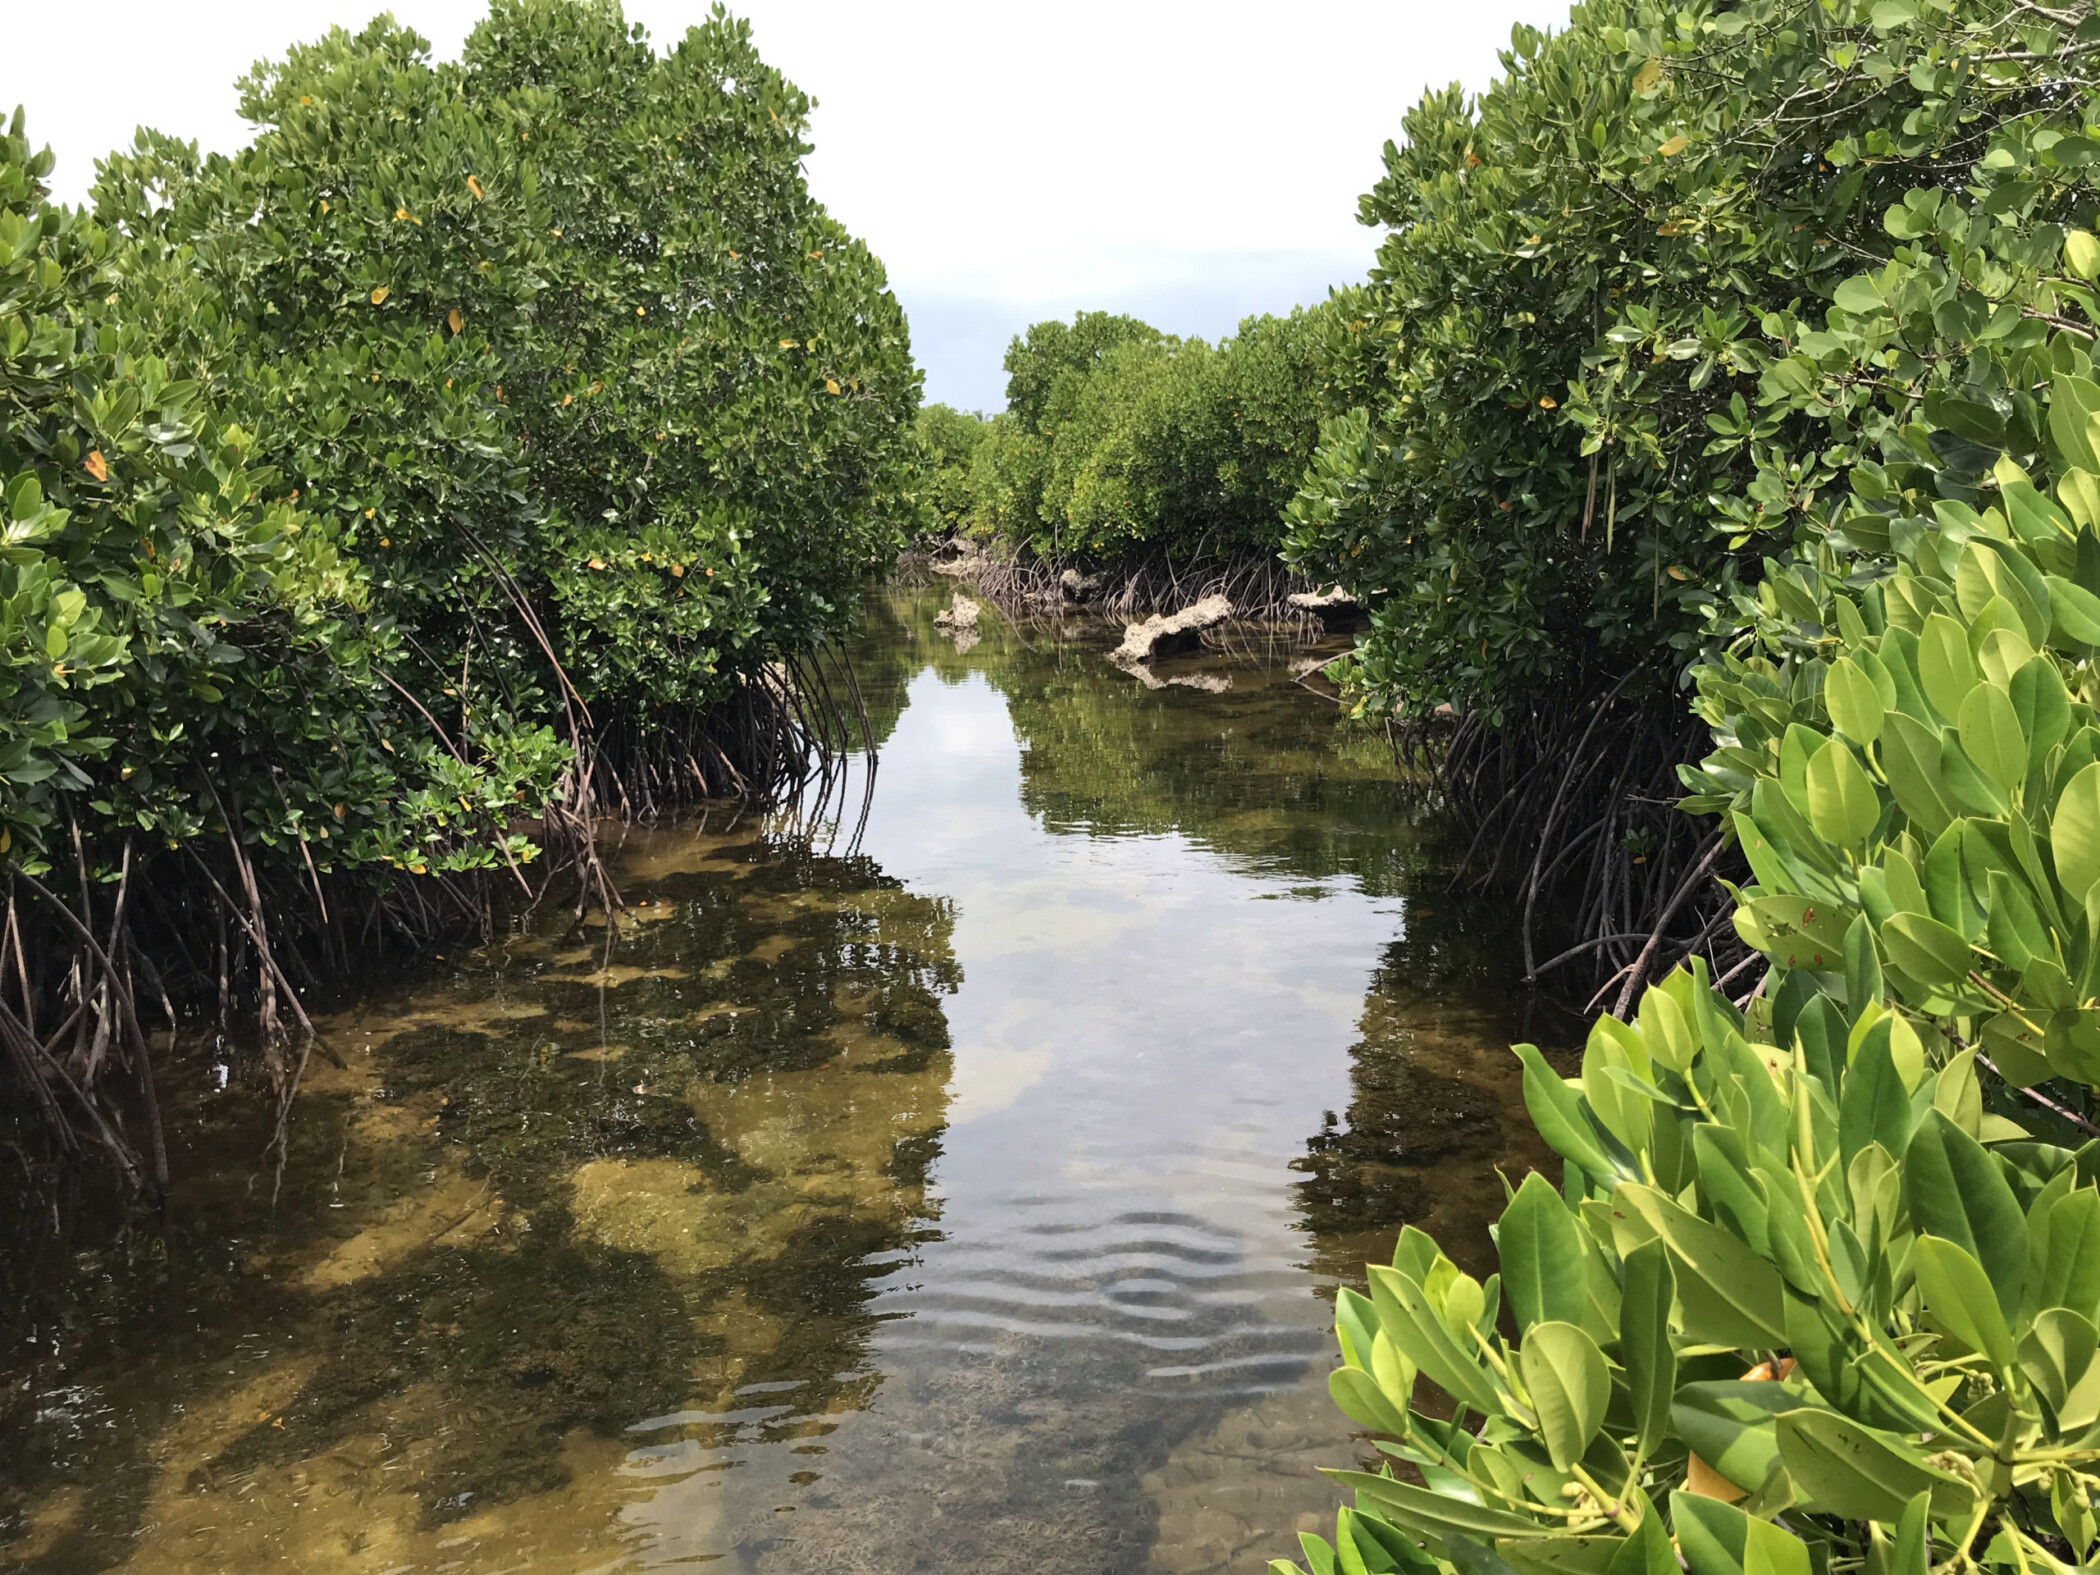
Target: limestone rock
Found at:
1161, 636
1077, 587
1335, 608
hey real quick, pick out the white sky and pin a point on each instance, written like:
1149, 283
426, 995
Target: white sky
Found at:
1187, 163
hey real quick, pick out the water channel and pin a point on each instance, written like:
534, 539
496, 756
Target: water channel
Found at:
957, 1181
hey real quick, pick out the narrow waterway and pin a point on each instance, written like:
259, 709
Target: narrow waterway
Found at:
951, 1176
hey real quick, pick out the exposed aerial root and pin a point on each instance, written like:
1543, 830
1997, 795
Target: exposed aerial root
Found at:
1026, 585
210, 940
1571, 806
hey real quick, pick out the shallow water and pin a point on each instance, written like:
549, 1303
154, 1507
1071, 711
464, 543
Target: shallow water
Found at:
953, 1176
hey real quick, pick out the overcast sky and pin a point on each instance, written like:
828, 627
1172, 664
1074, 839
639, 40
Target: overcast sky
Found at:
1187, 163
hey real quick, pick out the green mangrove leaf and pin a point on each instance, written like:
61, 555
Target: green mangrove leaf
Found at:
2012, 927
1842, 804
1557, 1113
1912, 1554
1803, 932
1743, 1302
1649, 1550
1413, 1324
2074, 613
1719, 1539
1650, 1360
2074, 835
1956, 1191
1862, 967
1434, 1514
1959, 1295
1540, 1245
1360, 1398
2043, 707
1860, 1473
1728, 1424
1874, 1106
2055, 1353
2070, 1275
1926, 949
1910, 758
1991, 737
1570, 1386
1561, 1555
1854, 702
1664, 1031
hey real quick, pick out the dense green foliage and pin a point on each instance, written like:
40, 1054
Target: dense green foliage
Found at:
1905, 740
1933, 1272
472, 408
1906, 744
1570, 409
1118, 440
948, 444
176, 632
566, 271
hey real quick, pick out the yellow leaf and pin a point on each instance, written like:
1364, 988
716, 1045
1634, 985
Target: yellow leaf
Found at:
1650, 74
1532, 240
597, 563
454, 320
370, 512
1675, 145
474, 186
831, 385
1548, 402
677, 571
96, 466
306, 98
379, 296
418, 869
385, 541
400, 214
1675, 573
340, 811
566, 398
1704, 1480
641, 311
787, 344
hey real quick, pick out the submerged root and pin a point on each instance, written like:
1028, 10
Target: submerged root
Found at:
1571, 807
1027, 586
211, 936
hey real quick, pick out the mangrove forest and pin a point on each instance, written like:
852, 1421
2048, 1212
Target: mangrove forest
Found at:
1453, 932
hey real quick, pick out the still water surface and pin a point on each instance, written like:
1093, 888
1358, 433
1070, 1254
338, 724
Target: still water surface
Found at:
964, 1195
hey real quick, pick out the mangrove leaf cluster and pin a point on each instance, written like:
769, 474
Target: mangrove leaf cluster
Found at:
475, 409
1818, 1290
1120, 442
